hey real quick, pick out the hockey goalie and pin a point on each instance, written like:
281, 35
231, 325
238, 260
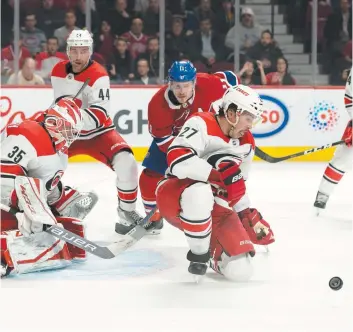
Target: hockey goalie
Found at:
204, 193
34, 156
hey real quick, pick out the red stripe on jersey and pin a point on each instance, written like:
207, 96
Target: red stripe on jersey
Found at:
333, 174
12, 169
196, 226
177, 153
101, 116
347, 100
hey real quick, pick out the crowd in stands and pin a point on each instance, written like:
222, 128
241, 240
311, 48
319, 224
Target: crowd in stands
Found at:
126, 38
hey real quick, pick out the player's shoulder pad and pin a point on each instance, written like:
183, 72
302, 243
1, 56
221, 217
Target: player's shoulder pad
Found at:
59, 69
208, 121
158, 99
248, 138
35, 134
95, 72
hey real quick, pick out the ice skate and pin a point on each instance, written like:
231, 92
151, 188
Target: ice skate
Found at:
320, 202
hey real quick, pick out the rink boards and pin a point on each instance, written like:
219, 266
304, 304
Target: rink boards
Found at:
295, 118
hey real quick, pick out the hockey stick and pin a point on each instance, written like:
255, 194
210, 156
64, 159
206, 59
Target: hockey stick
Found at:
107, 252
264, 156
76, 95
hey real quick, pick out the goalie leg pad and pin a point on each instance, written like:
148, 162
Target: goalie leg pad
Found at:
75, 226
37, 252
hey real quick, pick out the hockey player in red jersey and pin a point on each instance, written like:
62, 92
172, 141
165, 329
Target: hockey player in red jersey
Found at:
204, 193
187, 93
98, 137
342, 160
37, 152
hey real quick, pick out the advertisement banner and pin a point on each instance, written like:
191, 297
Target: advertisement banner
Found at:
293, 118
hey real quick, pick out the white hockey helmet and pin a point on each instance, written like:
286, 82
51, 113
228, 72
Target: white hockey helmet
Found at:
245, 98
79, 38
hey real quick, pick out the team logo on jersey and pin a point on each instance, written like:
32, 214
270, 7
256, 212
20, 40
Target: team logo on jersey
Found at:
323, 116
70, 77
53, 182
275, 118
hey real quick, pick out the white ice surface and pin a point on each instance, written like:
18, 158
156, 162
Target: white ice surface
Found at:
148, 287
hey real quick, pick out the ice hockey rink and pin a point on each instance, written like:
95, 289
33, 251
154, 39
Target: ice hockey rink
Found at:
148, 288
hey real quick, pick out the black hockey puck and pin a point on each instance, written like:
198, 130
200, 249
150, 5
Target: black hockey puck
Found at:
335, 283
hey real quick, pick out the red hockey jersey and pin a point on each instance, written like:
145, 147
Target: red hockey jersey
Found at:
165, 119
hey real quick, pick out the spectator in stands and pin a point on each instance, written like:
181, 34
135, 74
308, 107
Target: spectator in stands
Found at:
204, 11
63, 33
337, 31
142, 75
347, 52
176, 45
80, 12
249, 32
206, 45
49, 17
247, 74
224, 17
7, 57
266, 50
26, 75
136, 39
118, 17
7, 16
45, 61
152, 56
33, 38
141, 6
151, 18
104, 41
279, 77
121, 63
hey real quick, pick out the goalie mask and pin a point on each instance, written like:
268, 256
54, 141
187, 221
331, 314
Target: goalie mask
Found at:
63, 122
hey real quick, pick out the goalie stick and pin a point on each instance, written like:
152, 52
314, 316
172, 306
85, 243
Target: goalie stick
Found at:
264, 156
108, 252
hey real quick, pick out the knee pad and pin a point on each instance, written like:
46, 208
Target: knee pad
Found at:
238, 268
197, 201
125, 166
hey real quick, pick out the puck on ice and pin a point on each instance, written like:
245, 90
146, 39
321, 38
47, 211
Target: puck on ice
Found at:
335, 283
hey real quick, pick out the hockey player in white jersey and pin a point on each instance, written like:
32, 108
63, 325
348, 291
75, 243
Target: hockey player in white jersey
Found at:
204, 193
37, 152
342, 160
98, 138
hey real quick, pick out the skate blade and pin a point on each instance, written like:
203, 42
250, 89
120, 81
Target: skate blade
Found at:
197, 278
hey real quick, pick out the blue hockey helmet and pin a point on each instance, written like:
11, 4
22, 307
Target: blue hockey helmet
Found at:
182, 71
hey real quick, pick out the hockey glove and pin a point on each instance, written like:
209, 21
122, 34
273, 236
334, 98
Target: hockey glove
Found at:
231, 179
347, 135
258, 229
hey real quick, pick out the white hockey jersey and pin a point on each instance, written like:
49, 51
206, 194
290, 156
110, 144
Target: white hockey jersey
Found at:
94, 100
348, 101
28, 150
193, 152
201, 146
